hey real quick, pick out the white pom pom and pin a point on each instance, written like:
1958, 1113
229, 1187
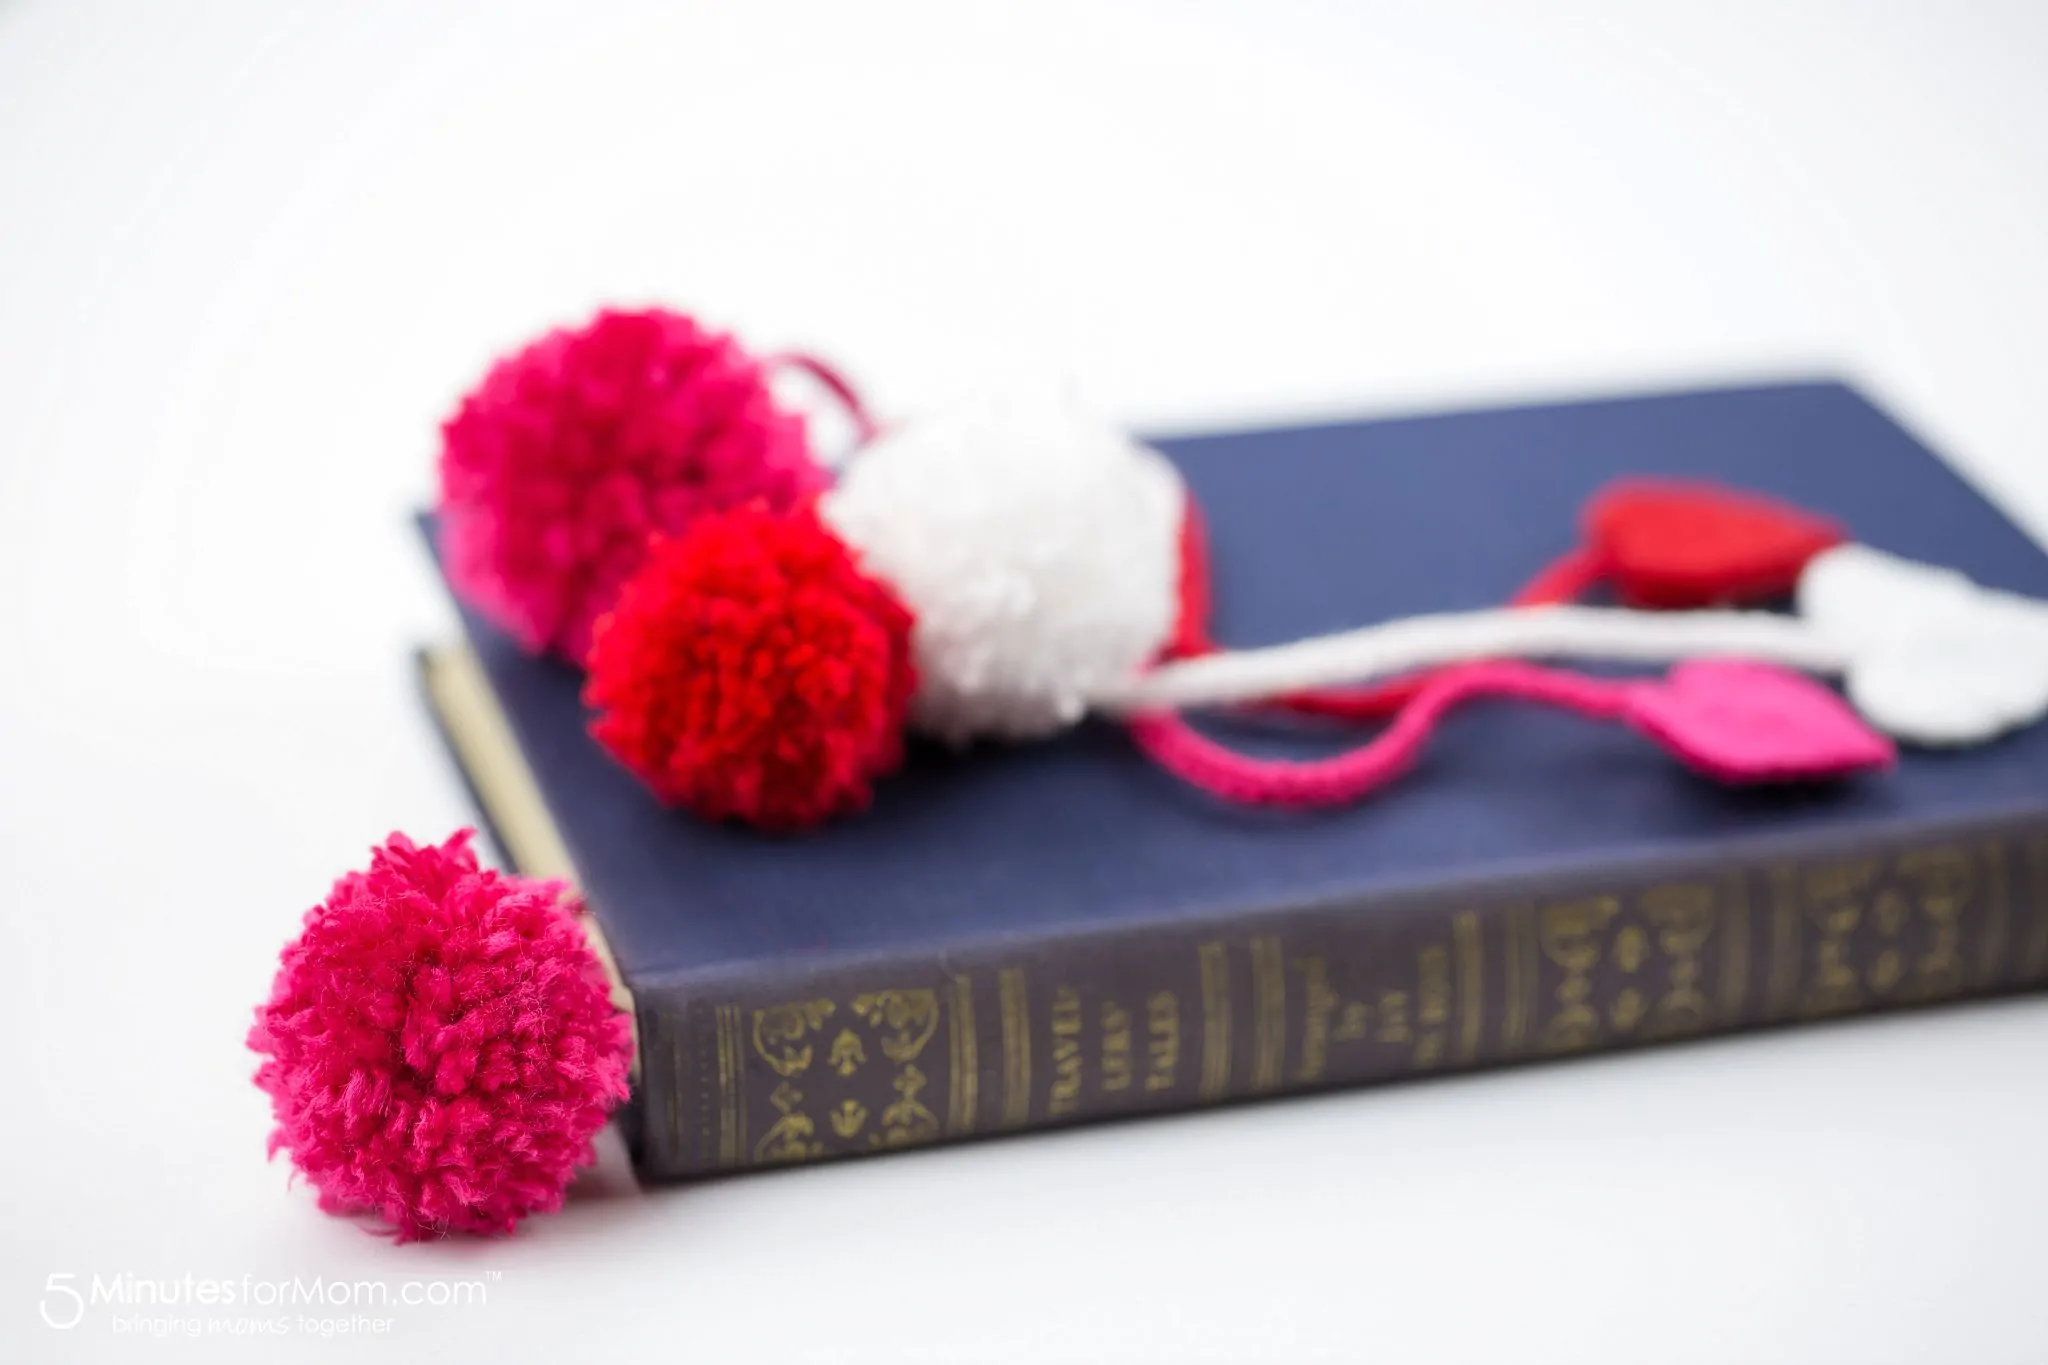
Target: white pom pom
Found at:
1038, 550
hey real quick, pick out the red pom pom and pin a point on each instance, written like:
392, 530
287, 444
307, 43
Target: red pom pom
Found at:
752, 670
560, 465
441, 1044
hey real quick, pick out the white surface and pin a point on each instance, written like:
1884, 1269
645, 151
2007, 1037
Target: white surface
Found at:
249, 253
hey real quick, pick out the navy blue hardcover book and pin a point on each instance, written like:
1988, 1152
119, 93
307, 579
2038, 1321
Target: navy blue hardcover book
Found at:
1019, 936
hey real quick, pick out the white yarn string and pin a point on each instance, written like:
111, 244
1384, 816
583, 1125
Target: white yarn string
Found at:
1565, 632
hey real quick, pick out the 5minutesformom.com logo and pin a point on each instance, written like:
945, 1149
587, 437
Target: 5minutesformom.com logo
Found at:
248, 1304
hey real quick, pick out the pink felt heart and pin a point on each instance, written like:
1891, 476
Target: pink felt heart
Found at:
1747, 722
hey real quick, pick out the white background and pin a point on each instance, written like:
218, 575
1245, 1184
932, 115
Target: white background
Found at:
250, 253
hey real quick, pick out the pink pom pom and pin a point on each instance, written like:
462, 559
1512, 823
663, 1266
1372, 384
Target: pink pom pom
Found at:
558, 468
441, 1044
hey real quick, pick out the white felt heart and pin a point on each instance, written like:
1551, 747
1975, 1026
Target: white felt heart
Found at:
1934, 659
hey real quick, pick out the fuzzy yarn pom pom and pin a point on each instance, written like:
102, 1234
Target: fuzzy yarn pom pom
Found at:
556, 470
752, 670
1038, 550
441, 1044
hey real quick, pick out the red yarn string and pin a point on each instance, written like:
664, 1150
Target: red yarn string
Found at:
1191, 612
1563, 579
1168, 740
840, 387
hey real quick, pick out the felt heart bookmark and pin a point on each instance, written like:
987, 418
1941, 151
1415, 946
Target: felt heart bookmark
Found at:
1675, 544
1734, 721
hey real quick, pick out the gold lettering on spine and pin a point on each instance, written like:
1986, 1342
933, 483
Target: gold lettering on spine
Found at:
732, 1114
2036, 964
1991, 956
1735, 948
1471, 984
1319, 1002
1162, 1040
1784, 966
1016, 1009
1215, 1020
966, 1088
1269, 1013
1116, 1048
1065, 1095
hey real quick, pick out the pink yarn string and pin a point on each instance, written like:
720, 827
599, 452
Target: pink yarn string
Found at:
837, 384
1168, 740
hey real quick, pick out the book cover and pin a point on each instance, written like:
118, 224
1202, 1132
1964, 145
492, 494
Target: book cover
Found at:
1028, 935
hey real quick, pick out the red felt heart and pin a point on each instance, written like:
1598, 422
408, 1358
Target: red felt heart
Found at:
1677, 544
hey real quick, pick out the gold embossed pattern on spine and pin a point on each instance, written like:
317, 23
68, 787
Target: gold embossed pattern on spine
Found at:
966, 1089
1016, 1011
1593, 966
1215, 1077
731, 1064
1269, 1013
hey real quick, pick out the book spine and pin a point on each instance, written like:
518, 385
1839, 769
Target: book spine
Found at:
840, 1059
